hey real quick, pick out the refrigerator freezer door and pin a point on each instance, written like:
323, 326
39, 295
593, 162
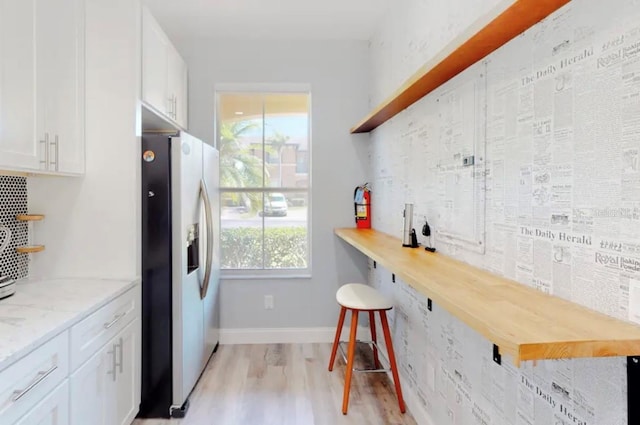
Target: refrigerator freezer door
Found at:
188, 315
211, 177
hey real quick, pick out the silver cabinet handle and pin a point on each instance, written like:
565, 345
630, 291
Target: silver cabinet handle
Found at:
46, 151
175, 107
57, 152
121, 349
56, 145
18, 394
115, 319
170, 109
113, 362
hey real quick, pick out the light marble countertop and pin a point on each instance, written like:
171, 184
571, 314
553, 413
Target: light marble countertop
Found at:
41, 309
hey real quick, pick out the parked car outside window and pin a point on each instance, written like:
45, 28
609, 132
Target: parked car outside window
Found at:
275, 204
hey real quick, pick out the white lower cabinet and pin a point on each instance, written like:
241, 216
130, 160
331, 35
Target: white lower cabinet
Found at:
53, 410
33, 377
90, 390
104, 389
127, 380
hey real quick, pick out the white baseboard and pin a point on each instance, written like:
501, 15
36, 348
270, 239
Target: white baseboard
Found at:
232, 336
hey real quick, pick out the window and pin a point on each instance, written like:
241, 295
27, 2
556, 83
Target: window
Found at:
264, 182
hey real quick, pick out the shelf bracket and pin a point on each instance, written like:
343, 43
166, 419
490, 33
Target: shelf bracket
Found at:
496, 354
633, 389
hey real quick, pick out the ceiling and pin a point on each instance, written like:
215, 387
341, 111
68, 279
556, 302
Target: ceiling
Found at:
270, 19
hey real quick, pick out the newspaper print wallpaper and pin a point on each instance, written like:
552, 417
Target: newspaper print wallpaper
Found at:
556, 137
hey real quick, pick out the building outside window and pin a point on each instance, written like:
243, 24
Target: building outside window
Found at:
264, 143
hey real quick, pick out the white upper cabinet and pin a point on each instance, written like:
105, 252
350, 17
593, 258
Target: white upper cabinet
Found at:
154, 65
164, 73
42, 86
19, 129
60, 42
177, 86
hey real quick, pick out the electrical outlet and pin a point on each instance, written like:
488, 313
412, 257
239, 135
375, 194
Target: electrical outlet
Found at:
268, 302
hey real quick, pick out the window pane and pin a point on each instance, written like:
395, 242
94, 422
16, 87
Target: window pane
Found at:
285, 231
240, 135
302, 163
283, 216
286, 131
241, 242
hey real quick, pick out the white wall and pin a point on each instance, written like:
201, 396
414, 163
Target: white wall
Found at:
92, 225
559, 106
339, 76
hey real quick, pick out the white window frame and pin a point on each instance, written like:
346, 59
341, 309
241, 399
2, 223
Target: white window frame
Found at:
262, 88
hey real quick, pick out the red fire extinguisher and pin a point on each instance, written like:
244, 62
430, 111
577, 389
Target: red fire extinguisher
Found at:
362, 206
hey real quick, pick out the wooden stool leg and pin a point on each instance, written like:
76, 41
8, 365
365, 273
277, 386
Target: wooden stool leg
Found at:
392, 359
372, 326
350, 355
336, 340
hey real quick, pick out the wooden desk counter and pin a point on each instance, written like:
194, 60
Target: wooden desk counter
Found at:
521, 321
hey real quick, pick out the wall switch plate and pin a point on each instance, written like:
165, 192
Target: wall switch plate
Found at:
268, 302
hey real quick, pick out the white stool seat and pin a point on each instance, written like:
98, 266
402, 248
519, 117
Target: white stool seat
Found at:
362, 297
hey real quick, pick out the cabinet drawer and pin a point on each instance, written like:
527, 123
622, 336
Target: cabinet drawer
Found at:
28, 380
96, 330
54, 409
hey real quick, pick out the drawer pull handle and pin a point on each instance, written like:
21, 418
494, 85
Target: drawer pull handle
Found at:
115, 319
18, 394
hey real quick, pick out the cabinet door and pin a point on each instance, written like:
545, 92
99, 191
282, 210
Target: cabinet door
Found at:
60, 45
177, 86
127, 394
93, 389
154, 65
53, 410
19, 137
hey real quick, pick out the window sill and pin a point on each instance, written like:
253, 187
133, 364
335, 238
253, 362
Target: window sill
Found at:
231, 275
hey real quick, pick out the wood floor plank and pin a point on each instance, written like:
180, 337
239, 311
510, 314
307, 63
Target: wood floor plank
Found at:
286, 384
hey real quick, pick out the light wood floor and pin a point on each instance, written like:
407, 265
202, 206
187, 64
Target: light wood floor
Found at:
286, 384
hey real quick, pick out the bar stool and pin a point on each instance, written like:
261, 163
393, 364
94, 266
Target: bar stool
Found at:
358, 297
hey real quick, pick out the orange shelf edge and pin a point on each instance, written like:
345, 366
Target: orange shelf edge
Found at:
482, 38
30, 249
30, 217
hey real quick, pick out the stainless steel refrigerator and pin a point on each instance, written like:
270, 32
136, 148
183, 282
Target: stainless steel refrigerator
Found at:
180, 269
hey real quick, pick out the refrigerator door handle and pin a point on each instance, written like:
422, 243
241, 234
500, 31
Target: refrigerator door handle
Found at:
204, 195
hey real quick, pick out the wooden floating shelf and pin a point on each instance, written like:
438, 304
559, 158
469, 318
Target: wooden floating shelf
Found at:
523, 322
30, 217
505, 22
30, 249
